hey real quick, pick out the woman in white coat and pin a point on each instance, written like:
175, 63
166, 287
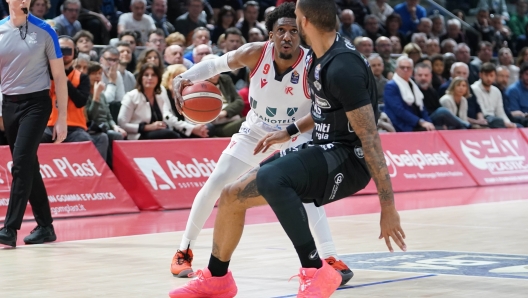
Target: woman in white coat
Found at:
145, 111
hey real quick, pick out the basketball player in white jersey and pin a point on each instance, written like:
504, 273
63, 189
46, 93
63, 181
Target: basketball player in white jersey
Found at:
278, 96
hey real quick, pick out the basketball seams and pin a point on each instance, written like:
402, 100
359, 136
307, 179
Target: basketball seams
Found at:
202, 95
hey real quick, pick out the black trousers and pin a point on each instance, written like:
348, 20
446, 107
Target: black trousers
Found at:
25, 118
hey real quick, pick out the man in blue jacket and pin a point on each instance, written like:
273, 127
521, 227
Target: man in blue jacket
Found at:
518, 94
404, 100
411, 13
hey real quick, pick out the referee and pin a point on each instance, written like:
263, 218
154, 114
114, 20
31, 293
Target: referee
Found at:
27, 47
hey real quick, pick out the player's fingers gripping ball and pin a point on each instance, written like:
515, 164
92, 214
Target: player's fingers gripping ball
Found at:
202, 102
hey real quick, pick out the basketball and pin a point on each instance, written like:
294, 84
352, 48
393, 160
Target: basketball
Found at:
202, 102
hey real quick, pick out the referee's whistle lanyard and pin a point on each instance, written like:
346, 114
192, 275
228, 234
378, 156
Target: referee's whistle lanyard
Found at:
20, 28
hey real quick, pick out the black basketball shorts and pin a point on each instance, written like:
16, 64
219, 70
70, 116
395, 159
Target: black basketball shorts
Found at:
330, 172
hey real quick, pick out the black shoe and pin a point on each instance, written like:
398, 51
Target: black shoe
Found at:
40, 235
8, 236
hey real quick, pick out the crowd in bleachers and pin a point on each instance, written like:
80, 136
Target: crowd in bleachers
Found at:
431, 72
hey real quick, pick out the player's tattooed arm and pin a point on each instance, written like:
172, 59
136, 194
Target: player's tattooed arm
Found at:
364, 124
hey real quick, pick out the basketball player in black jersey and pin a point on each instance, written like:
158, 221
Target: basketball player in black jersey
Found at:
346, 152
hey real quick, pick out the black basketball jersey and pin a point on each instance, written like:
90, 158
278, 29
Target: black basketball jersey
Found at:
340, 81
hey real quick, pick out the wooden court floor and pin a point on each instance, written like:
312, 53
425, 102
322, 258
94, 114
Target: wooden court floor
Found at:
469, 250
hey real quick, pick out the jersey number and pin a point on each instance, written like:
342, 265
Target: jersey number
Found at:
266, 68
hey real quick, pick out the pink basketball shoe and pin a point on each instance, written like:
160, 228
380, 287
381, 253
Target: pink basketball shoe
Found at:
318, 283
205, 285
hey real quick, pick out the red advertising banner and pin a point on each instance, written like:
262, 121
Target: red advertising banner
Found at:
78, 181
495, 156
420, 161
524, 132
166, 174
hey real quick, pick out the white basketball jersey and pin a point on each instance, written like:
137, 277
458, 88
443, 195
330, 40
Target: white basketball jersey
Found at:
277, 101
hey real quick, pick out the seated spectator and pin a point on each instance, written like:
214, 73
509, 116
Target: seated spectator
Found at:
236, 7
497, 7
462, 54
100, 18
233, 40
132, 38
98, 113
420, 39
484, 54
502, 37
404, 100
201, 51
489, 98
424, 26
448, 45
413, 51
458, 69
348, 28
438, 28
392, 28
159, 15
67, 23
449, 60
39, 8
385, 124
192, 19
78, 92
364, 45
250, 19
381, 10
144, 108
426, 61
200, 36
396, 45
174, 55
503, 76
115, 88
156, 40
432, 47
518, 94
226, 19
522, 57
81, 63
125, 56
410, 13
376, 64
519, 20
454, 31
176, 38
137, 20
255, 35
483, 31
84, 42
506, 60
437, 62
384, 49
455, 99
372, 27
177, 120
150, 56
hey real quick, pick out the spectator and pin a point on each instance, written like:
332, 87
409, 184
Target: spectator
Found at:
78, 92
392, 27
372, 27
458, 69
255, 35
519, 20
174, 55
189, 21
376, 64
156, 40
39, 8
396, 45
176, 38
448, 45
420, 39
364, 46
359, 7
234, 5
97, 111
384, 49
177, 121
132, 39
454, 31
518, 94
497, 7
449, 60
200, 36
502, 37
522, 57
404, 100
233, 40
159, 15
503, 76
455, 99
489, 98
150, 56
440, 116
438, 28
125, 56
485, 53
506, 60
226, 19
484, 31
432, 47
137, 20
144, 108
348, 28
84, 42
67, 23
410, 13
437, 62
462, 54
380, 9
250, 20
424, 26
81, 63
115, 89
201, 51
92, 19
413, 51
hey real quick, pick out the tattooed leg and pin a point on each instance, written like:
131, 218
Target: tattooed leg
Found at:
235, 199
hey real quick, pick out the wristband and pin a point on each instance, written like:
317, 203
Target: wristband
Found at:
293, 130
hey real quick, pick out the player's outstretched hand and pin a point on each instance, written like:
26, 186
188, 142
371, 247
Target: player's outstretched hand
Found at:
177, 87
271, 138
390, 228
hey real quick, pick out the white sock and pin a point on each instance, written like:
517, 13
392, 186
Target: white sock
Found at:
227, 170
321, 231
